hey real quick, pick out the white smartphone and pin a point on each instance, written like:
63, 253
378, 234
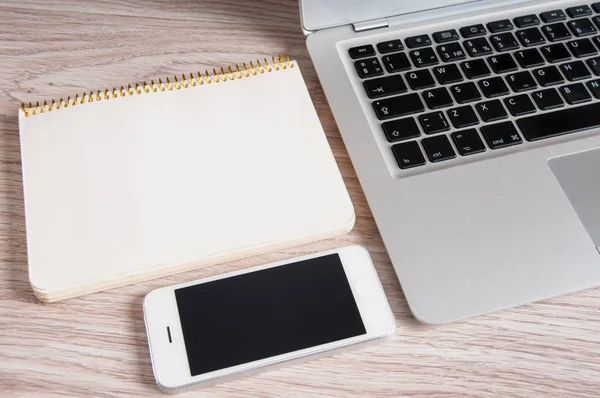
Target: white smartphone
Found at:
236, 324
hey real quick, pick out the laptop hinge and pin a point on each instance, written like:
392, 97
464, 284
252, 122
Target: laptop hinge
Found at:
372, 24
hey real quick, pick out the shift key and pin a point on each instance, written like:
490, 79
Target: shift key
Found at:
402, 105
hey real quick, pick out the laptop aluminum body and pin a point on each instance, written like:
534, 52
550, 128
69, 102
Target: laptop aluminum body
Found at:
476, 234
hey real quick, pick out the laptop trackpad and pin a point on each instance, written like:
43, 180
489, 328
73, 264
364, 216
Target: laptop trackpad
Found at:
579, 177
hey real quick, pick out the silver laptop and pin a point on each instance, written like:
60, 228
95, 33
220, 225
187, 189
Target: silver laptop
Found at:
474, 128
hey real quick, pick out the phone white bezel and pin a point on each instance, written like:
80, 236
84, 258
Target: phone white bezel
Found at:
169, 359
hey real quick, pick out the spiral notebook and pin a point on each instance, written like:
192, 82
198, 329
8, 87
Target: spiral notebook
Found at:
143, 181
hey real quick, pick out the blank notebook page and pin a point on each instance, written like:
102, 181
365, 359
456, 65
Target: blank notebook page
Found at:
141, 186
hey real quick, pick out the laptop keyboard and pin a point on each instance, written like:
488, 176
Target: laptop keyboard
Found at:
489, 86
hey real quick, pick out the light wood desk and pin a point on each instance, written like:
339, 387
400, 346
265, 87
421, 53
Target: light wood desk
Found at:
96, 345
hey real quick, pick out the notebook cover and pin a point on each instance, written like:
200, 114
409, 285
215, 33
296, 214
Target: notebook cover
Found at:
132, 184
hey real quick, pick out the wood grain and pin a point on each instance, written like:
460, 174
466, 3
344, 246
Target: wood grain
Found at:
95, 345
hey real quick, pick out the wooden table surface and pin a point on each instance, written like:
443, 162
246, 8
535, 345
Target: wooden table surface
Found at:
96, 345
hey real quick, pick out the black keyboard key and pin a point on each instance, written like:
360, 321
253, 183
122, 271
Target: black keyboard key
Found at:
521, 81
504, 42
566, 121
556, 53
396, 62
596, 7
466, 92
390, 46
437, 98
502, 63
361, 51
368, 68
468, 142
579, 11
402, 105
408, 155
575, 93
594, 65
526, 21
438, 148
463, 116
548, 76
547, 99
519, 105
418, 41
447, 74
530, 37
473, 31
594, 87
401, 129
553, 16
451, 52
596, 21
556, 32
477, 47
475, 69
500, 26
424, 57
490, 111
582, 48
493, 87
501, 135
385, 86
575, 71
420, 79
582, 27
529, 58
446, 36
596, 40
434, 122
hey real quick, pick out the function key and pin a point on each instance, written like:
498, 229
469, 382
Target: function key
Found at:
596, 7
361, 51
526, 21
473, 31
384, 86
408, 155
418, 41
390, 46
438, 148
579, 11
500, 26
368, 68
445, 36
553, 16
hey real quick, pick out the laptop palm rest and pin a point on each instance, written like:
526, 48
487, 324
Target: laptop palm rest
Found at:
579, 177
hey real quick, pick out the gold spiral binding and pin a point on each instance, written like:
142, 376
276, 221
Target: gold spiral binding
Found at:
222, 75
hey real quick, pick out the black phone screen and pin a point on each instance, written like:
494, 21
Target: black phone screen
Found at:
261, 314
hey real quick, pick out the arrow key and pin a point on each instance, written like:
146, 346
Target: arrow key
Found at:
385, 86
401, 129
